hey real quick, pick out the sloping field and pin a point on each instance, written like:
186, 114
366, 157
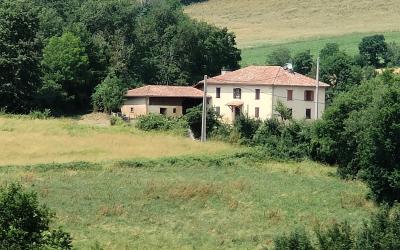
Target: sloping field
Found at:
258, 22
25, 141
191, 204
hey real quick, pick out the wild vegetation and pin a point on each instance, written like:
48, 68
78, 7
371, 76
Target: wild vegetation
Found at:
226, 201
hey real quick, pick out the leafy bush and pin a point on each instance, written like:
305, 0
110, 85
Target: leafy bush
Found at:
42, 115
246, 127
193, 118
24, 224
383, 232
117, 121
157, 122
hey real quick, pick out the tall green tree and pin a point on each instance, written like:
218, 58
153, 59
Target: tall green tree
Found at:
373, 50
20, 51
65, 66
109, 95
279, 57
303, 62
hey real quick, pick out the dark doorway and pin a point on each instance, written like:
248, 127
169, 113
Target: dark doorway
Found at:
238, 112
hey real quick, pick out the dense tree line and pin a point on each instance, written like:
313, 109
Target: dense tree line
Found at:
55, 53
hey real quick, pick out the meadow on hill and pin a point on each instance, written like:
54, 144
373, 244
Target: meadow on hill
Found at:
263, 25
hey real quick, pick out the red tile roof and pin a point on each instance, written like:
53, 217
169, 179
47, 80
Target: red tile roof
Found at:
264, 75
165, 91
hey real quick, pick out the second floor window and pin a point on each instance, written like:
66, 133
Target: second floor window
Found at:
237, 93
257, 94
290, 95
218, 92
308, 95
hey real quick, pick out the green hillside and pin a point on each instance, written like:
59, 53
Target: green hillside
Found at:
262, 25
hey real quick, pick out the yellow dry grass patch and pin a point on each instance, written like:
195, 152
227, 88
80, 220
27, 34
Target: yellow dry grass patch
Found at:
24, 141
261, 21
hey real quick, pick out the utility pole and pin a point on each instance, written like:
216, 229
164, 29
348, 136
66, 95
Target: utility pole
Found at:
317, 91
204, 112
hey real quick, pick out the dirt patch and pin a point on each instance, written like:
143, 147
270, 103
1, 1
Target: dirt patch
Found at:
99, 119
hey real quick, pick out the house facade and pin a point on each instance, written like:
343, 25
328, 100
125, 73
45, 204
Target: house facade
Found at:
255, 91
160, 99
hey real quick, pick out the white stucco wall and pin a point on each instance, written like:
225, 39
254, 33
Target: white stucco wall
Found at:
266, 101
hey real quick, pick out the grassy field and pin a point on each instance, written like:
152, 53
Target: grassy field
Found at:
185, 203
257, 55
258, 22
25, 141
263, 25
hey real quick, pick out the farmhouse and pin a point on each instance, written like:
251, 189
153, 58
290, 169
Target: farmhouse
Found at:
255, 90
160, 99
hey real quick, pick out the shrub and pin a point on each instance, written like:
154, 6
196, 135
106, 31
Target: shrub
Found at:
193, 117
298, 240
383, 232
24, 224
157, 122
40, 114
246, 127
117, 121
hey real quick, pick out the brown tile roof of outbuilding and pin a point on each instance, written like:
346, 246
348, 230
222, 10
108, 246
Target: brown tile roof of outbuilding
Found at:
264, 75
165, 91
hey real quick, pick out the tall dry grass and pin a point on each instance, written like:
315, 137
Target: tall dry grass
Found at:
264, 21
25, 141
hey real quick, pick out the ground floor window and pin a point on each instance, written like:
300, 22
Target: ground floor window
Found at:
257, 112
132, 109
308, 113
174, 110
163, 111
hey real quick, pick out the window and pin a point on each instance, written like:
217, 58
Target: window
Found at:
308, 95
163, 111
290, 95
132, 109
237, 93
308, 113
218, 110
174, 110
218, 92
257, 94
257, 112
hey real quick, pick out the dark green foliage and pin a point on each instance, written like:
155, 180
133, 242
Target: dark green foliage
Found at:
283, 111
393, 54
279, 57
360, 132
109, 95
303, 62
24, 223
193, 118
156, 122
65, 64
383, 232
373, 50
187, 2
40, 114
297, 240
148, 42
20, 55
246, 127
330, 49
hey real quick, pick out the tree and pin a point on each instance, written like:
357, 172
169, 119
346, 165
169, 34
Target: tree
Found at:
283, 111
393, 55
109, 95
25, 224
373, 50
303, 62
328, 50
194, 115
19, 57
65, 69
279, 57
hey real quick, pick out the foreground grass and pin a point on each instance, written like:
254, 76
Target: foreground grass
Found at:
25, 141
257, 55
187, 203
257, 22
